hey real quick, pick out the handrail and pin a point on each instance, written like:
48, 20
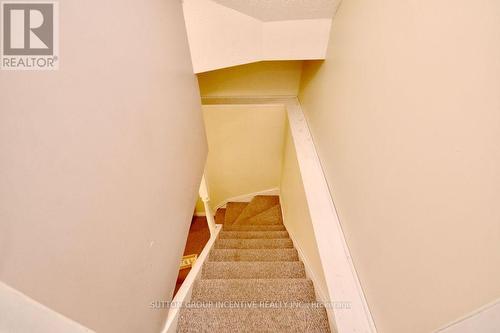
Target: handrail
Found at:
205, 197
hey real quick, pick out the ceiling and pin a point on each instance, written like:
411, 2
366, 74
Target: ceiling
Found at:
280, 10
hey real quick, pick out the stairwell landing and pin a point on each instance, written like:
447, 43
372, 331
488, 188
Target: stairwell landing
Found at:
253, 280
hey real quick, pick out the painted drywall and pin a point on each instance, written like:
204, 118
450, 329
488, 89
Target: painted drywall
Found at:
405, 117
245, 149
484, 320
267, 78
16, 308
221, 37
100, 165
296, 214
305, 39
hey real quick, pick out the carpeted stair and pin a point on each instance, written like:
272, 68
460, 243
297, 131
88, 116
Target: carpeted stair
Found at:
253, 280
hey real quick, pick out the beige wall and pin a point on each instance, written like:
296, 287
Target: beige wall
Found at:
245, 149
220, 36
296, 214
100, 165
268, 78
405, 116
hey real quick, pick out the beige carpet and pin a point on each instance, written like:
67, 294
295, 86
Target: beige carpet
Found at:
259, 204
233, 210
253, 280
220, 216
269, 217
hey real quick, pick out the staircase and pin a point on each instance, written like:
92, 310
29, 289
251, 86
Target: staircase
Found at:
253, 280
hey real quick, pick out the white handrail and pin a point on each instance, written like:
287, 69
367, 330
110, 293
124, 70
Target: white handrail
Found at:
184, 293
341, 277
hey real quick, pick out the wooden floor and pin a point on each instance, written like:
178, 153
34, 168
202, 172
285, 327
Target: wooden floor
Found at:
199, 234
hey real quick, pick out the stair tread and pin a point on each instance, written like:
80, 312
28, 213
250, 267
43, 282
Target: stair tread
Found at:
241, 243
253, 319
268, 217
298, 290
220, 216
233, 210
258, 204
253, 279
253, 270
254, 255
253, 234
246, 227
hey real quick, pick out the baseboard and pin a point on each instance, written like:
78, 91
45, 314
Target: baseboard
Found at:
486, 319
200, 214
247, 197
184, 293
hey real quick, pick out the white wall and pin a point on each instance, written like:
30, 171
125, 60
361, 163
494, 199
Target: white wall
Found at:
295, 39
405, 117
20, 314
245, 149
484, 320
221, 37
100, 165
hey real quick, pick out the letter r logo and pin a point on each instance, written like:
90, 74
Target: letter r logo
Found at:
28, 28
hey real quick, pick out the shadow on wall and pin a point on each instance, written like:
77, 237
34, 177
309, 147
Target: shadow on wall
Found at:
313, 67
